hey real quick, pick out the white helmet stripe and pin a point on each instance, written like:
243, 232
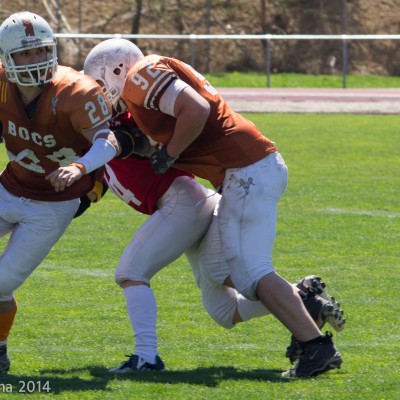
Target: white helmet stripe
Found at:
164, 78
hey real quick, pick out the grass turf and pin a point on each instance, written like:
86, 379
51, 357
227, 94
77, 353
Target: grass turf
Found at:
292, 80
340, 218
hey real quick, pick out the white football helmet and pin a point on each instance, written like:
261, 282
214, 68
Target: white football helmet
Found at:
108, 63
25, 31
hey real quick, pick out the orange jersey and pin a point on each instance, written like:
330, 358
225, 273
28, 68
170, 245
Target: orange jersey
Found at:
51, 137
228, 140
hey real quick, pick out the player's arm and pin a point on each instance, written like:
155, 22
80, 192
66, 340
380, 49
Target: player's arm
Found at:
191, 111
104, 148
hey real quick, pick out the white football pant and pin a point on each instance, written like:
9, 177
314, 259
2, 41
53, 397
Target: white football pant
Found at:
35, 227
184, 214
243, 229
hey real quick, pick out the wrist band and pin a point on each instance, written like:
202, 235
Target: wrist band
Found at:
78, 165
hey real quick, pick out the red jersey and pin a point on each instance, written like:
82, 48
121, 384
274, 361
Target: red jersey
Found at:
228, 140
133, 179
50, 137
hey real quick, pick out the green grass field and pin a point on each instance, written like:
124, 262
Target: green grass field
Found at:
340, 218
291, 80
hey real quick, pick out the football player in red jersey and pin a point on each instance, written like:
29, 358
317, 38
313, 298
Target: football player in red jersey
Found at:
54, 124
176, 106
180, 210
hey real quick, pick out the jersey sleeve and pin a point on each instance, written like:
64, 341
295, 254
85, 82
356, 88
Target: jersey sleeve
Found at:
88, 107
147, 82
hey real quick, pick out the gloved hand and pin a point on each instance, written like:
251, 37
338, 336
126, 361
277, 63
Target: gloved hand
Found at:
161, 161
132, 141
143, 146
83, 206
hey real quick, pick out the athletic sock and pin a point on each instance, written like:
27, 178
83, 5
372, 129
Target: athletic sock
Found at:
142, 310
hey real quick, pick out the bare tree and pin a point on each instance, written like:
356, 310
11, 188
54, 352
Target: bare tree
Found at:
136, 19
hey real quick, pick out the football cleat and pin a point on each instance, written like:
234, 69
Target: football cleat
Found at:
136, 363
318, 308
4, 359
293, 351
315, 358
320, 311
314, 284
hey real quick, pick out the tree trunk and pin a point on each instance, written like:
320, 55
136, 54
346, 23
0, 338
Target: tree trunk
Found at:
136, 19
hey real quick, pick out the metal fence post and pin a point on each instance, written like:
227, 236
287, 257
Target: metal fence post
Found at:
268, 61
345, 42
345, 60
193, 51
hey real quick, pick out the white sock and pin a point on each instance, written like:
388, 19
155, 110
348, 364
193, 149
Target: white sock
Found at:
3, 342
250, 309
142, 310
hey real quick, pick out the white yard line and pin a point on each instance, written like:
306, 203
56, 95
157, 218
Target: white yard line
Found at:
371, 213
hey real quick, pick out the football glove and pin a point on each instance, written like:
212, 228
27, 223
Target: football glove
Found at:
83, 206
143, 146
126, 143
161, 161
99, 189
132, 141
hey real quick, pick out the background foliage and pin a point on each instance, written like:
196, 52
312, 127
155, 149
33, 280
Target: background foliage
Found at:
234, 17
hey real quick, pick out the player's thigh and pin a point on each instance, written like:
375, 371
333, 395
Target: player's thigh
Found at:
37, 226
211, 258
247, 218
6, 220
183, 217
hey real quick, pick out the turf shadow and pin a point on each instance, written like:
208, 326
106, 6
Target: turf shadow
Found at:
61, 380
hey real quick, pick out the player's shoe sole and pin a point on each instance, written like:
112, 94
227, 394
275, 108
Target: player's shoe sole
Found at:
314, 284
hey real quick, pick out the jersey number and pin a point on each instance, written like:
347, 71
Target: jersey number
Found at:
28, 159
91, 108
115, 185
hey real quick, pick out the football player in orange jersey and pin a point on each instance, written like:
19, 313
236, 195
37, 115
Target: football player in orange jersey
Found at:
176, 106
180, 211
54, 124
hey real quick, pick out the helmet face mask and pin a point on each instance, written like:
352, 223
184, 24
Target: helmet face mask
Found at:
113, 95
22, 32
108, 63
